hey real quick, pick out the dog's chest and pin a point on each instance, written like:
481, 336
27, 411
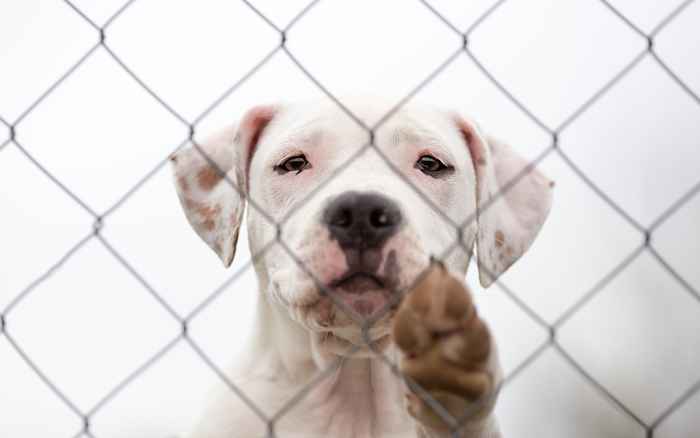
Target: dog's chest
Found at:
362, 400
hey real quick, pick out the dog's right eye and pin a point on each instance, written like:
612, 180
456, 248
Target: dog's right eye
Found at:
296, 164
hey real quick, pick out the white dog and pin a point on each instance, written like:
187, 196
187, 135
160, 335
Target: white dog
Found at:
352, 236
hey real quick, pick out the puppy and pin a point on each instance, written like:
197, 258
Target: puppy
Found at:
342, 225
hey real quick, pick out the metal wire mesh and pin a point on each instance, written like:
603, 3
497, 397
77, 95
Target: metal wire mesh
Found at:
101, 218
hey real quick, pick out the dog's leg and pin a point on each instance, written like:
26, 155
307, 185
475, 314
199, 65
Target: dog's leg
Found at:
448, 351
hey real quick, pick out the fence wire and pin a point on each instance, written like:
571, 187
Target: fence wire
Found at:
100, 219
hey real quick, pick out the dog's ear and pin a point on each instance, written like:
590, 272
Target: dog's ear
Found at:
513, 201
211, 181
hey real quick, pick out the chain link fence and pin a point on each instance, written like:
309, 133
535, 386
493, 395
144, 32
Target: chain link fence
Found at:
101, 218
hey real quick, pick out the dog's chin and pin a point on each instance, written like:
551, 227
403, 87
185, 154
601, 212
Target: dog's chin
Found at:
342, 345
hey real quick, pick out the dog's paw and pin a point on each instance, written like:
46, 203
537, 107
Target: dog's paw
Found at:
445, 349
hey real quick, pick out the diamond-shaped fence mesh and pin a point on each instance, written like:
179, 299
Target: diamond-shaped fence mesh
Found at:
101, 217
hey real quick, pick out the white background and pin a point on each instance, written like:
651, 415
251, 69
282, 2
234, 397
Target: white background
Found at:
91, 324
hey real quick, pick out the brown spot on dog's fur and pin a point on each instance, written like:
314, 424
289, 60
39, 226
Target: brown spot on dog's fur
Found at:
499, 238
191, 204
509, 251
182, 182
208, 177
208, 212
481, 161
208, 215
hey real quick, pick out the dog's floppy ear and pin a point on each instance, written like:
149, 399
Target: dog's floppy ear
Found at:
513, 201
211, 181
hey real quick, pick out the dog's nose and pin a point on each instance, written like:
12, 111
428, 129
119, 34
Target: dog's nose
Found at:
362, 220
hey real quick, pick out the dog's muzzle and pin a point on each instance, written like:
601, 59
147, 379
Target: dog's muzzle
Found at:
361, 223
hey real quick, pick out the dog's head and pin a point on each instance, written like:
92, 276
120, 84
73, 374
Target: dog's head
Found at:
340, 228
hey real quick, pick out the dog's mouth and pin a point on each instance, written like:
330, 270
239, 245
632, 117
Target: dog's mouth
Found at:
358, 282
364, 292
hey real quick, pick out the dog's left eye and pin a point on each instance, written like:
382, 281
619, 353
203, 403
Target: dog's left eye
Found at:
431, 165
296, 164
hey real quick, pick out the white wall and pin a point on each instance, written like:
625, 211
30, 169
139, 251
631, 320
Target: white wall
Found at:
91, 323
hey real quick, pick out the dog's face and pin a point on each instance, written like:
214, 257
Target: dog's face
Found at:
343, 229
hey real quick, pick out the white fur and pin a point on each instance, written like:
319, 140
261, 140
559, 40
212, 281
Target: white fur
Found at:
361, 398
